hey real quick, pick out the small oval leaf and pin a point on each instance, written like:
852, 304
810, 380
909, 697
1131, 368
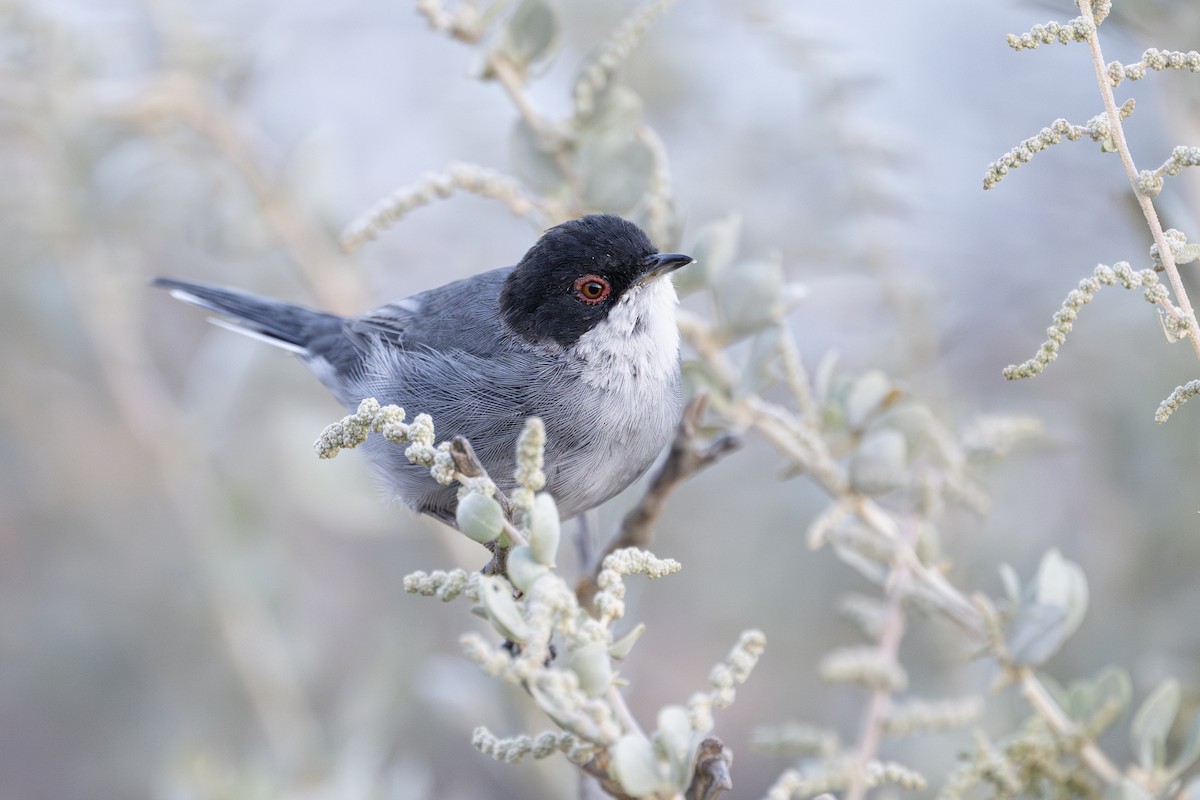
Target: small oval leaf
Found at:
879, 463
531, 33
594, 668
495, 594
867, 395
1127, 789
479, 517
714, 247
1152, 723
523, 569
635, 766
616, 171
749, 297
545, 530
1189, 753
532, 163
1036, 633
675, 739
1062, 583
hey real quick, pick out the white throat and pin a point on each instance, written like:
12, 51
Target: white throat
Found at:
638, 341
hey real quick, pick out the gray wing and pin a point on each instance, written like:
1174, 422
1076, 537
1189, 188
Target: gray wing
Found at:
485, 398
460, 316
446, 353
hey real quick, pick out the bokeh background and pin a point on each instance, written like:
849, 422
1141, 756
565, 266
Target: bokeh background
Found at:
193, 606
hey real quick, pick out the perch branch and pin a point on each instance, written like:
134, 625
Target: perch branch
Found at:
710, 776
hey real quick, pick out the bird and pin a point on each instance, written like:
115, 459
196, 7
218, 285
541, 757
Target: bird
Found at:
581, 332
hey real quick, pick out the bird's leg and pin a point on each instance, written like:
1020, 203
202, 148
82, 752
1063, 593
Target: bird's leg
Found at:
686, 457
585, 536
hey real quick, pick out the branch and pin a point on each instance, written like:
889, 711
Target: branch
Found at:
469, 465
710, 776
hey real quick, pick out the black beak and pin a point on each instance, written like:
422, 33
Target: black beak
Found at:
660, 264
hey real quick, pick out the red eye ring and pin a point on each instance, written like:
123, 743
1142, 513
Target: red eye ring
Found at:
592, 289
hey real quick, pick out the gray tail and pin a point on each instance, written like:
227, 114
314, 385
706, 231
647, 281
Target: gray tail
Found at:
304, 331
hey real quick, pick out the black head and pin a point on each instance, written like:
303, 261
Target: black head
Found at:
569, 281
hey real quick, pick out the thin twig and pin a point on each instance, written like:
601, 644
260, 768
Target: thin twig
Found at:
870, 731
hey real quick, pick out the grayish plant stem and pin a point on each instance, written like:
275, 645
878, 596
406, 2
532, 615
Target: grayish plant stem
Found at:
870, 730
1166, 257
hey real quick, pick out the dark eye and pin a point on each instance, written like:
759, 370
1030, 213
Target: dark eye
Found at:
592, 288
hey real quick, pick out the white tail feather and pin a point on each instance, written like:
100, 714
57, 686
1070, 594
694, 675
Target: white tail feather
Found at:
242, 329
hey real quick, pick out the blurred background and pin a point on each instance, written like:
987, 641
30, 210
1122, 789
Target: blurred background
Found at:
193, 606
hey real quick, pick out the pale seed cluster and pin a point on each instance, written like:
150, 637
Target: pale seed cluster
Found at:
1064, 319
1097, 128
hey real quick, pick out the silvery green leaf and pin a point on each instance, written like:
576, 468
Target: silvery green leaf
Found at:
635, 765
914, 420
523, 569
866, 396
621, 647
757, 373
697, 376
1012, 585
823, 381
675, 739
1109, 693
1152, 723
617, 112
880, 463
1062, 583
495, 593
1127, 789
1189, 753
749, 297
714, 248
615, 170
593, 666
1190, 792
479, 517
530, 34
536, 167
1036, 633
545, 530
